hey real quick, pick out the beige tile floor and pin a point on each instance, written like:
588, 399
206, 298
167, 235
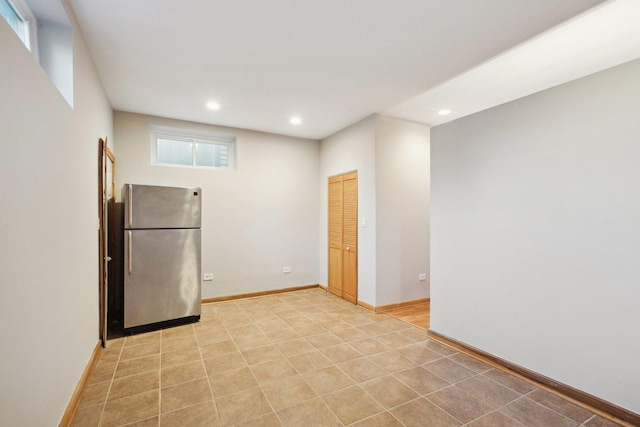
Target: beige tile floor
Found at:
307, 358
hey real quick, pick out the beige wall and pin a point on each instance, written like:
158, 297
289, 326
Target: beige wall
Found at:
535, 232
256, 220
392, 160
48, 229
402, 210
352, 149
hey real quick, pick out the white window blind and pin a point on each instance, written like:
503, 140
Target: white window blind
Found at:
14, 20
212, 155
175, 152
201, 151
21, 20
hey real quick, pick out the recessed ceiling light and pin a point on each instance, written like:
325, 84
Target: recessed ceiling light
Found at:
444, 112
295, 120
213, 105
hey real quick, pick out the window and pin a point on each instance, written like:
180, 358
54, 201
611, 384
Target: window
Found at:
21, 20
174, 147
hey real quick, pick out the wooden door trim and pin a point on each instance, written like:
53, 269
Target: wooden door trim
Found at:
108, 151
103, 150
101, 285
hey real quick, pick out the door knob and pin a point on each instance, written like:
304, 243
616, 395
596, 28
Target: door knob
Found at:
108, 258
347, 248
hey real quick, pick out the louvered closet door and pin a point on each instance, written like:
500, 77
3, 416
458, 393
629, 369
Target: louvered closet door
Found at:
335, 235
343, 236
350, 237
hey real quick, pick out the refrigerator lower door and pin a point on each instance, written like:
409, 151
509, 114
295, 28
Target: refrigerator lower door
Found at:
162, 275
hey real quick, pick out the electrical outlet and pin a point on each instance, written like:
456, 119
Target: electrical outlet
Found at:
207, 276
286, 270
422, 277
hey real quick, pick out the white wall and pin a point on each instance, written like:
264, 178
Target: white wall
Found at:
402, 210
49, 241
55, 50
392, 160
351, 149
536, 233
256, 220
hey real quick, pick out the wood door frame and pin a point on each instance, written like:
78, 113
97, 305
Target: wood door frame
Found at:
105, 155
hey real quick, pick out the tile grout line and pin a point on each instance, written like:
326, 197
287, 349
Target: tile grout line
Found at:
319, 396
253, 374
215, 405
455, 384
234, 339
497, 410
106, 398
445, 411
419, 395
584, 423
548, 407
332, 363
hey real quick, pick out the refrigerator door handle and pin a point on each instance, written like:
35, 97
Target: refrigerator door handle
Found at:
130, 197
129, 262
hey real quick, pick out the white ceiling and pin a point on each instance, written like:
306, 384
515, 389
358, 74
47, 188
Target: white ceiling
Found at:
603, 37
47, 10
331, 62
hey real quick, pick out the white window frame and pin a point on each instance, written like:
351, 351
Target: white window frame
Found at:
195, 137
23, 11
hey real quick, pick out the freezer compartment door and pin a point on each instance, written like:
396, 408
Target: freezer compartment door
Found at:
161, 275
150, 206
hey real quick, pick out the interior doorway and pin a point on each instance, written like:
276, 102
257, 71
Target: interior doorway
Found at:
343, 236
106, 213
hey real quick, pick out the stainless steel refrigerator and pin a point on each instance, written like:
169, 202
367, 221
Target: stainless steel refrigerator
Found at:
162, 247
